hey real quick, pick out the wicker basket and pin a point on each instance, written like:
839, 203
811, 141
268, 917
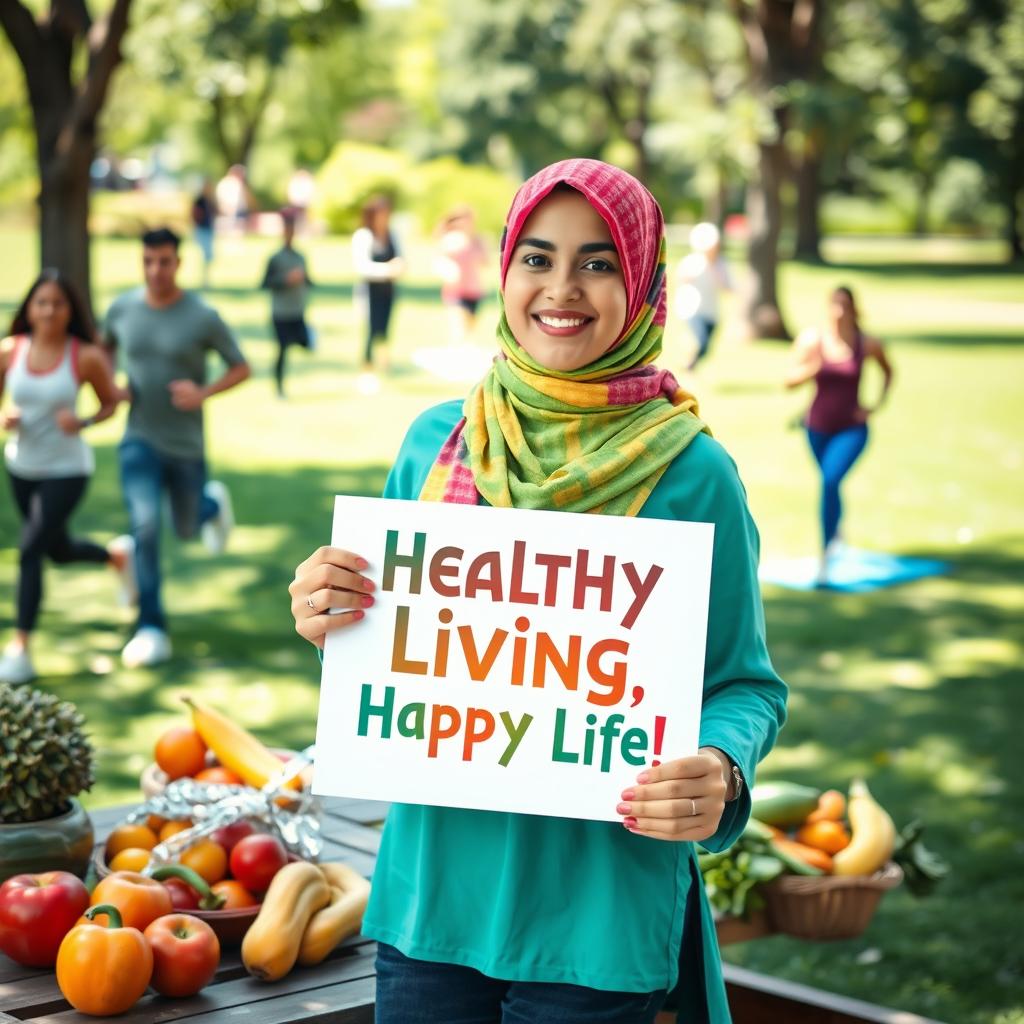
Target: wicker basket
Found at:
827, 906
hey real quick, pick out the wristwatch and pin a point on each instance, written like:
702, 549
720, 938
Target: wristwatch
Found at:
737, 781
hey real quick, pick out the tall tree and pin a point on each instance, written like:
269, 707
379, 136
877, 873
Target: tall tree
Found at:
996, 110
68, 60
620, 50
229, 53
778, 34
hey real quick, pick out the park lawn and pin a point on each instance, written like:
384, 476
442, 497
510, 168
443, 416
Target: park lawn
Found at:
917, 688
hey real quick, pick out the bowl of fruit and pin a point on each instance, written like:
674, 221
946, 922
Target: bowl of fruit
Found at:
214, 748
221, 878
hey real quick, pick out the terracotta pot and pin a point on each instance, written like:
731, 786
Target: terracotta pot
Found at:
63, 843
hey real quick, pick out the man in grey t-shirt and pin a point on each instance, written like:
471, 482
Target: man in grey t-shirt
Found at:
163, 335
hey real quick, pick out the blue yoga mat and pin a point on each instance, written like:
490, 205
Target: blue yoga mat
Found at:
851, 570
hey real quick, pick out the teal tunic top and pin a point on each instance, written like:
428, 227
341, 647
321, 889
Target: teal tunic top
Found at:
533, 898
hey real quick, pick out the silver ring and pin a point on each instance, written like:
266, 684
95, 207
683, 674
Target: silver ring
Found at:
693, 808
309, 601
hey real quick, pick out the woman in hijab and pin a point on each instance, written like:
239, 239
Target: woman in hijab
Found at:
499, 917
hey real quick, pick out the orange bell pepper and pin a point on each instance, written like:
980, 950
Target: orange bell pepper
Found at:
103, 970
139, 899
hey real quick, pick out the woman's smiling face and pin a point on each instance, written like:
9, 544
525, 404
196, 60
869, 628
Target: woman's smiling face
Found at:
565, 296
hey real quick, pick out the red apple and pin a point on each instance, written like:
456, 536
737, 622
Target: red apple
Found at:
36, 912
229, 835
256, 859
183, 896
186, 953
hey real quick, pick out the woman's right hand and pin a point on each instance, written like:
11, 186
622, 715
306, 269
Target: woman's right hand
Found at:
329, 578
11, 419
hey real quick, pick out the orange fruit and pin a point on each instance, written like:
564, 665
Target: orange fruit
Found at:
219, 774
180, 752
207, 859
235, 894
154, 823
828, 836
831, 807
131, 858
172, 828
126, 837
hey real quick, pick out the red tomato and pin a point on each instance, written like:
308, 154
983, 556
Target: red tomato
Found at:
186, 953
236, 896
230, 835
256, 859
36, 912
183, 896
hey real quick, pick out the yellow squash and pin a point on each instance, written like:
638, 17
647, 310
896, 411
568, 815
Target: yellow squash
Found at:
236, 748
340, 918
271, 945
873, 835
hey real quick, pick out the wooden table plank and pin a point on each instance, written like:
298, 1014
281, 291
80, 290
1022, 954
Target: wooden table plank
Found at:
363, 812
325, 988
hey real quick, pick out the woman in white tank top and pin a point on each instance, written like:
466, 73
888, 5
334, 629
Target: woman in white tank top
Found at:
43, 363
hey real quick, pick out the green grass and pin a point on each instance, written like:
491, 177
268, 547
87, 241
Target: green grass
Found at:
918, 687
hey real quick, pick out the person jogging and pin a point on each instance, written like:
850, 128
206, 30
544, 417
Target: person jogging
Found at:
162, 335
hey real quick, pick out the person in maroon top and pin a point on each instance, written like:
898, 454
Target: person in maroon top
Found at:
833, 357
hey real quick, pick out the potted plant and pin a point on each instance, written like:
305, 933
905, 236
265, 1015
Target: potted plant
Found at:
46, 760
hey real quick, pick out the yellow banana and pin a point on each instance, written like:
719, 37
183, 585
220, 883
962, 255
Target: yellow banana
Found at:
873, 834
236, 748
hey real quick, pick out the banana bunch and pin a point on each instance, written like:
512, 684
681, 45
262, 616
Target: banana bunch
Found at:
236, 748
873, 835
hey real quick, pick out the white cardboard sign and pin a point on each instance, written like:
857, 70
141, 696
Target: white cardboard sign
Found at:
514, 660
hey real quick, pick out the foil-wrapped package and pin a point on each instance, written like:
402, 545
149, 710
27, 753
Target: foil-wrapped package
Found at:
290, 814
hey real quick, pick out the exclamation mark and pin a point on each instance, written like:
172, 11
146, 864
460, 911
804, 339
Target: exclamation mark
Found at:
659, 736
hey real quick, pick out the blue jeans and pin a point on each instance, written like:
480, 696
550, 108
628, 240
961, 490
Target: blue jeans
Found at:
836, 454
145, 474
703, 329
421, 992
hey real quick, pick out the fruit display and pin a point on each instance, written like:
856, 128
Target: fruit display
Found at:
192, 869
818, 860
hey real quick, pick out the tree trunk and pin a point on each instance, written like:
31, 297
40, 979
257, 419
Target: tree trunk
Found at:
921, 206
64, 206
777, 34
66, 94
808, 204
1014, 196
716, 203
764, 215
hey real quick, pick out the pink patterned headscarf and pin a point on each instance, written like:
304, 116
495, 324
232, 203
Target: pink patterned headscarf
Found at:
626, 206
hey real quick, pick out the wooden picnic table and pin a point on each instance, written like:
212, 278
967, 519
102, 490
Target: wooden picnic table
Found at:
341, 989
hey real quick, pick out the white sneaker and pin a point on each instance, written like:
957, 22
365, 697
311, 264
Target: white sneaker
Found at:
125, 545
149, 646
215, 531
16, 667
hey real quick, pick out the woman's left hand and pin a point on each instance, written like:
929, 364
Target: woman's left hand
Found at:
68, 422
681, 800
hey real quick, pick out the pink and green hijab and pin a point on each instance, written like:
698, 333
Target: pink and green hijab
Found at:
596, 439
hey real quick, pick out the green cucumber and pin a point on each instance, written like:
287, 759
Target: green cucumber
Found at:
783, 803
